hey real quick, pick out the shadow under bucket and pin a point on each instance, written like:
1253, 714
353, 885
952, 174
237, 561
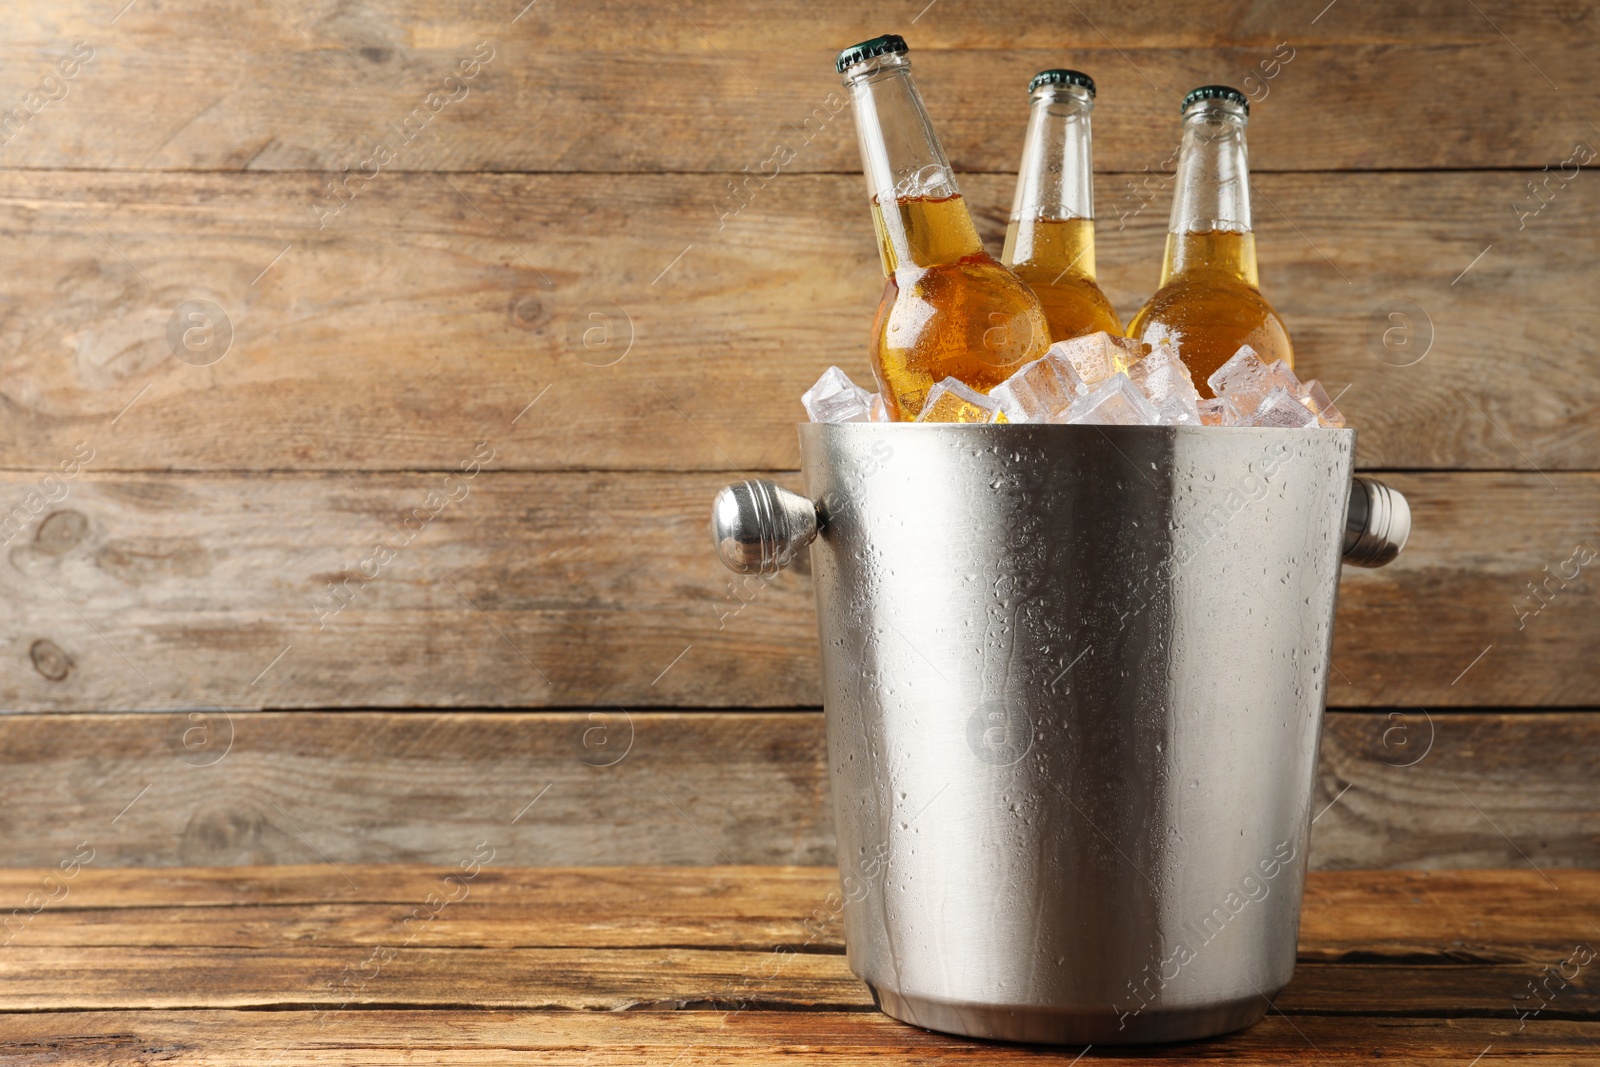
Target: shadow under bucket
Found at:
1074, 680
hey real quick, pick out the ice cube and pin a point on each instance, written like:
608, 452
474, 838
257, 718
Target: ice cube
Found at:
1179, 410
835, 398
1282, 408
1070, 378
1133, 350
877, 410
1315, 397
1114, 402
954, 401
1039, 390
1162, 377
1095, 357
1218, 412
1246, 380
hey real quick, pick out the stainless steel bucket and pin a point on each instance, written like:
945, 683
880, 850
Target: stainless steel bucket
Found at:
1074, 680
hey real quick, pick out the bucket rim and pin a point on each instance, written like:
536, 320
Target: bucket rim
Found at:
997, 433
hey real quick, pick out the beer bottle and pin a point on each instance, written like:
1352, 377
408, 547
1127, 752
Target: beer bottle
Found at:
1209, 303
1050, 239
948, 309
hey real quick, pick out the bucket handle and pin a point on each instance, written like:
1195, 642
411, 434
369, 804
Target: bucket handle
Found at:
1377, 525
759, 526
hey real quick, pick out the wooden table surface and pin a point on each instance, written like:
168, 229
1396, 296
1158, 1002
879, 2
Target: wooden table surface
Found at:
695, 965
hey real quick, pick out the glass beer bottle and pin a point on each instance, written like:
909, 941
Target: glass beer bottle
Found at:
1210, 302
1050, 239
948, 309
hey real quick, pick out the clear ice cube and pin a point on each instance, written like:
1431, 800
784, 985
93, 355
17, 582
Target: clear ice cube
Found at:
1095, 357
1070, 379
877, 410
1315, 397
1133, 349
1114, 402
954, 401
1282, 408
1219, 411
1179, 410
1246, 380
1166, 381
835, 398
1039, 390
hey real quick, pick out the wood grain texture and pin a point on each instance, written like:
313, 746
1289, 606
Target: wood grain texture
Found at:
1367, 917
304, 86
553, 789
575, 590
628, 979
1419, 789
658, 325
1483, 638
240, 788
490, 1038
527, 590
1388, 969
607, 303
594, 907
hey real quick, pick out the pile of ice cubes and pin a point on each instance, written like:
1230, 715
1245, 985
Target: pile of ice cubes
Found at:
1100, 380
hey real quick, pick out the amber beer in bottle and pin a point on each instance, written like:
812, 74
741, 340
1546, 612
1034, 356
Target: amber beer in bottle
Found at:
1209, 302
1050, 239
948, 309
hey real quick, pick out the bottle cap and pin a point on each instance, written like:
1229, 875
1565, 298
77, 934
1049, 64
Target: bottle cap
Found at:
887, 45
1062, 77
1215, 92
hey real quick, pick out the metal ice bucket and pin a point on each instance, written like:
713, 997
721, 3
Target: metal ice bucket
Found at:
1074, 680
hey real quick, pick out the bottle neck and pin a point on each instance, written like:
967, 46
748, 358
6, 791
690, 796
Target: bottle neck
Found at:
1055, 182
1210, 225
909, 180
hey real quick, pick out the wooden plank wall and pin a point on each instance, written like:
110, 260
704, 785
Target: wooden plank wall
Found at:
520, 241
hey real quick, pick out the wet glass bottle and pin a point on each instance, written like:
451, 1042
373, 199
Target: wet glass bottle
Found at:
1050, 239
1209, 302
948, 308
